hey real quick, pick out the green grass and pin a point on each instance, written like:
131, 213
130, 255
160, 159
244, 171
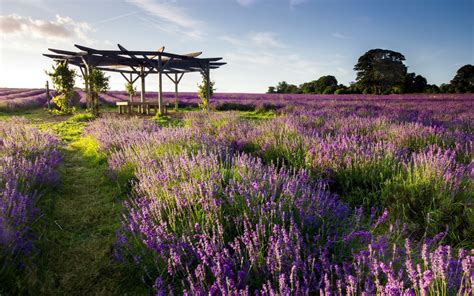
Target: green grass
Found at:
38, 115
257, 114
77, 242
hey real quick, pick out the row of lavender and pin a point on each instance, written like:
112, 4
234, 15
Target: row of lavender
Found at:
28, 160
441, 109
21, 98
228, 206
418, 106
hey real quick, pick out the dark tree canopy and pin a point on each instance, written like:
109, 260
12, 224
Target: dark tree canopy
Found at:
324, 83
308, 87
271, 90
380, 70
284, 87
413, 83
464, 80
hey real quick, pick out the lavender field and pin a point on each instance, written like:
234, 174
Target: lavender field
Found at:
297, 195
22, 98
333, 197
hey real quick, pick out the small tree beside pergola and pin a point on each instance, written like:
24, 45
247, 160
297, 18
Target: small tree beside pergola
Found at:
134, 65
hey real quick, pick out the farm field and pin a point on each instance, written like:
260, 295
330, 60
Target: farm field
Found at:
310, 194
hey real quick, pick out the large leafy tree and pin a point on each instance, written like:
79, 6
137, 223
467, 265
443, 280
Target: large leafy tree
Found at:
380, 70
325, 84
308, 87
464, 80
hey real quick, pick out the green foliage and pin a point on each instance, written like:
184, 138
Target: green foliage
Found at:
413, 83
463, 82
62, 104
330, 90
132, 91
63, 80
168, 121
202, 92
325, 84
380, 70
342, 89
284, 87
360, 183
432, 89
446, 88
96, 82
420, 197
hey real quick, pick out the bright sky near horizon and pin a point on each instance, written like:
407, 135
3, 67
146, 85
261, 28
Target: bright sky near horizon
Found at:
263, 41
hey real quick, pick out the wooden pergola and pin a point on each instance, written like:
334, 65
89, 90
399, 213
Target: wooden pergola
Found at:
130, 63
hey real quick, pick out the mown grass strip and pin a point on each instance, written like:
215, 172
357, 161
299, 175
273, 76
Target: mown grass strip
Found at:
81, 217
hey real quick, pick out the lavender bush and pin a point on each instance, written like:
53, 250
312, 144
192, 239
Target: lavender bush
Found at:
28, 159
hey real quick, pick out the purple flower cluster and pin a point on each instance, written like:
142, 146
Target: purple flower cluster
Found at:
28, 159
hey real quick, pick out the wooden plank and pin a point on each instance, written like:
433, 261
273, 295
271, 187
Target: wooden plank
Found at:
134, 52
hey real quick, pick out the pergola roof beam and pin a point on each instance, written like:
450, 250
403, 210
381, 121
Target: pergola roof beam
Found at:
126, 61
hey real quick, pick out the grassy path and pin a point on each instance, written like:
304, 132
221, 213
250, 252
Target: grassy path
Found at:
81, 217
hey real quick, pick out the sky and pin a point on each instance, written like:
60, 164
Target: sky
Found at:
262, 41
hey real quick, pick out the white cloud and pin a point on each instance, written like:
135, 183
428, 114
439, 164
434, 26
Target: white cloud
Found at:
231, 40
255, 39
103, 21
246, 2
294, 3
342, 71
62, 28
176, 18
267, 39
340, 35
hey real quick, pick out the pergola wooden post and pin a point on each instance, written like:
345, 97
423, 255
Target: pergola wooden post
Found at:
142, 90
208, 88
48, 95
131, 95
140, 63
160, 86
177, 78
85, 77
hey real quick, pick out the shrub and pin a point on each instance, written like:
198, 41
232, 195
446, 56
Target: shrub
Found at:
63, 81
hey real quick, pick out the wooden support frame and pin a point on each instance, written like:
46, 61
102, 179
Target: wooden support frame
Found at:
177, 78
160, 85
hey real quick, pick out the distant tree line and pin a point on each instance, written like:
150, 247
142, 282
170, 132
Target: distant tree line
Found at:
381, 71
